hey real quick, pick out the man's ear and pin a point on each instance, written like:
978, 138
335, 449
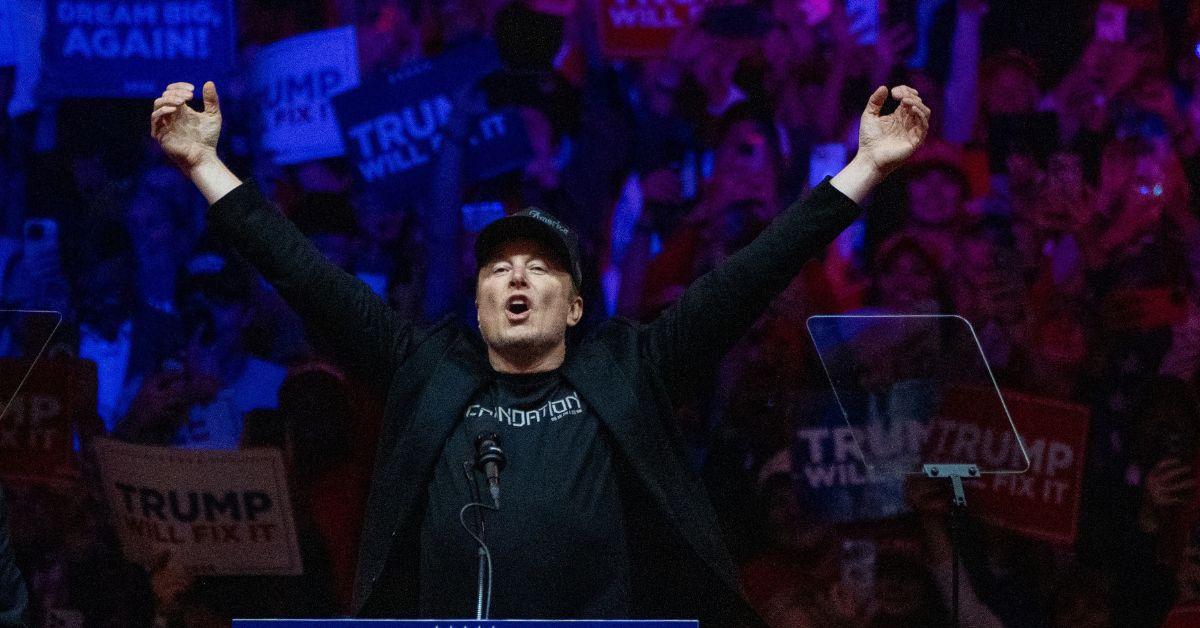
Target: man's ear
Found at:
476, 297
575, 312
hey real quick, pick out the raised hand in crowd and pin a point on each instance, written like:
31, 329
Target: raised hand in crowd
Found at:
161, 405
1170, 485
1132, 212
1082, 97
169, 580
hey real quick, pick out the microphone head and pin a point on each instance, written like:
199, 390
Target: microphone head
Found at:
487, 450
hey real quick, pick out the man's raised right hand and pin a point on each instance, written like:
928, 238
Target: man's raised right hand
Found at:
187, 136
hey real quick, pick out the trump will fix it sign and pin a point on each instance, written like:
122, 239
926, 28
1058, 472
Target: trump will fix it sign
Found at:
217, 512
643, 28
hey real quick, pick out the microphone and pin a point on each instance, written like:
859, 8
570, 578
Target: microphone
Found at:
490, 459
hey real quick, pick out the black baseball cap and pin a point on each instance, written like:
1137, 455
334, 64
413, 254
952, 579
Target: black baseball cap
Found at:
535, 224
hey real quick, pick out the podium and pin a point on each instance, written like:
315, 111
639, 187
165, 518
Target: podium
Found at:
466, 623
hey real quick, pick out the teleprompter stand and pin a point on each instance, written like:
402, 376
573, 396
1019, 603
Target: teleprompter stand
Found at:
958, 515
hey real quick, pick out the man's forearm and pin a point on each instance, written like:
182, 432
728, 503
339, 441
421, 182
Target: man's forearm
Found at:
857, 179
213, 178
692, 335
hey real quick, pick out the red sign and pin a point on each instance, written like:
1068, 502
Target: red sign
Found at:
643, 28
1042, 502
37, 422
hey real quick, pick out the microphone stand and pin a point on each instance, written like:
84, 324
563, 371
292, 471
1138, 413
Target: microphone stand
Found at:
958, 513
468, 466
490, 459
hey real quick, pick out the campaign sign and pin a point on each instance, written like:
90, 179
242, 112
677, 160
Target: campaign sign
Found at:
8, 34
134, 49
217, 512
827, 456
911, 423
393, 125
643, 28
1042, 502
37, 427
293, 82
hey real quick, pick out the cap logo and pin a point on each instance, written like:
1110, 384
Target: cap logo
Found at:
549, 220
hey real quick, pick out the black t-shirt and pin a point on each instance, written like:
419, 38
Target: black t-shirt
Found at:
558, 544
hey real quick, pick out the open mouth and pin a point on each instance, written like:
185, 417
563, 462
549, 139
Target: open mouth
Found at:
517, 307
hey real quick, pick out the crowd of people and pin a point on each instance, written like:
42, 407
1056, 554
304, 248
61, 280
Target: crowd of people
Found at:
1055, 206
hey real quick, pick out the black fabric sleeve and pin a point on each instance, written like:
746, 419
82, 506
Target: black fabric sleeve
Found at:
690, 337
344, 316
13, 597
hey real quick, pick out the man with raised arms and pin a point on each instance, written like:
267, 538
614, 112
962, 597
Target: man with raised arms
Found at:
600, 516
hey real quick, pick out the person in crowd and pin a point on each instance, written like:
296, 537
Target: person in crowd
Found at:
311, 427
936, 193
738, 201
198, 398
72, 562
388, 258
125, 336
1138, 276
908, 278
798, 552
316, 409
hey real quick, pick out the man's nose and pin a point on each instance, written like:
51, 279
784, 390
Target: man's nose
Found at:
517, 277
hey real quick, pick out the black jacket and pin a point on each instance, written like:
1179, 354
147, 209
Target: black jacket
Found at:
13, 598
633, 376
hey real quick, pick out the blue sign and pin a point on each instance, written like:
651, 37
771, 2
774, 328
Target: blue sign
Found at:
107, 49
393, 126
292, 81
467, 623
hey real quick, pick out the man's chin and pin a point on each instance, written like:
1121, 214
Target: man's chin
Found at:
517, 341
